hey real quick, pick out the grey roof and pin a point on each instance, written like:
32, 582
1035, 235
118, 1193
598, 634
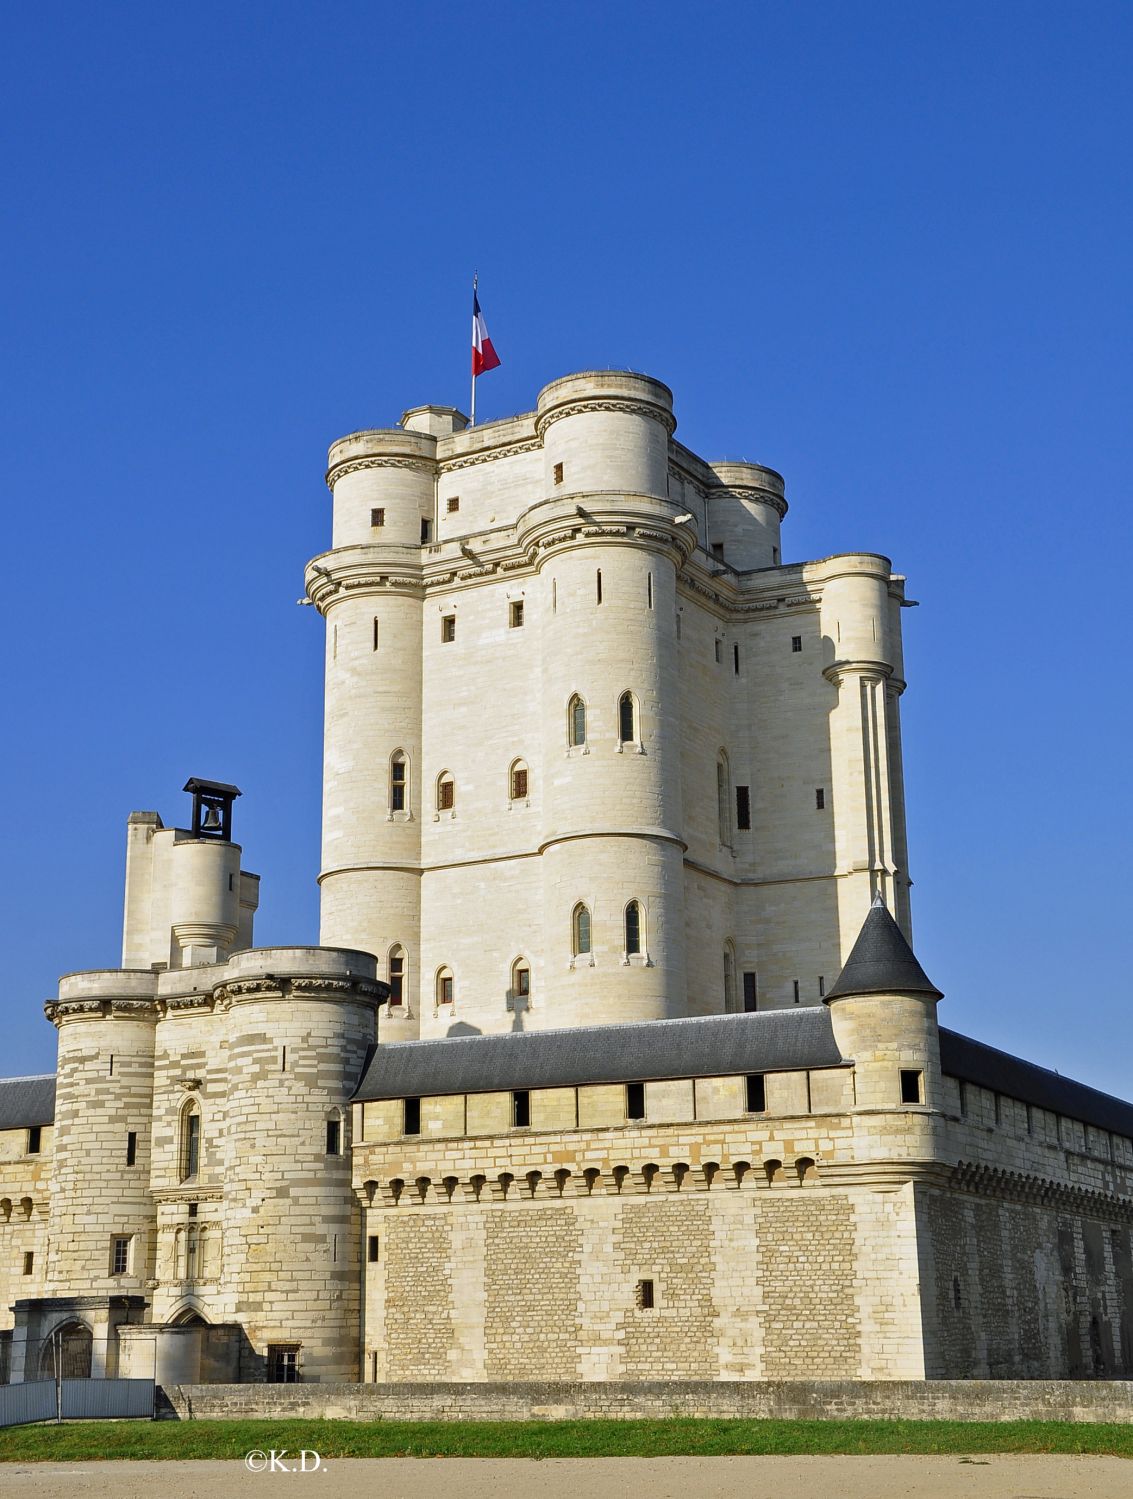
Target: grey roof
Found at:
26, 1101
881, 961
1000, 1072
705, 1046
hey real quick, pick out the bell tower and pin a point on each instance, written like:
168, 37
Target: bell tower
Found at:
188, 901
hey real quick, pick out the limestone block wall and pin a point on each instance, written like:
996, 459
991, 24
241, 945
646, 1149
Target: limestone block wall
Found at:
1026, 1284
480, 1277
25, 1183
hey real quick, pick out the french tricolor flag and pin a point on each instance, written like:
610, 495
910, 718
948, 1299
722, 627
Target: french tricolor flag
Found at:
484, 357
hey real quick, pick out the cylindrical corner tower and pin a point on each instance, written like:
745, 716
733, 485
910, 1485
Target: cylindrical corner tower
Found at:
370, 591
861, 636
299, 1022
612, 855
103, 1220
745, 515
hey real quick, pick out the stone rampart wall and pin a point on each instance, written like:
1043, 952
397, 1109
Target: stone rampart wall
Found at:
956, 1400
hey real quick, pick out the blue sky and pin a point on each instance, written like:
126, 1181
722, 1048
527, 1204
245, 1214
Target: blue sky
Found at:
884, 248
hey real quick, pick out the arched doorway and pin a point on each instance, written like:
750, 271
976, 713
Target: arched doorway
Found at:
71, 1344
188, 1318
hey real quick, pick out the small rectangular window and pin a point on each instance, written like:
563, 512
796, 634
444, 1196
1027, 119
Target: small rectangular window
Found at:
29, 1261
743, 808
821, 986
796, 642
132, 1148
649, 590
372, 1249
283, 1363
736, 659
35, 1139
756, 1093
411, 1123
521, 1108
716, 646
523, 982
910, 1086
376, 636
519, 785
558, 471
334, 1137
445, 995
446, 796
751, 1001
795, 982
426, 531
718, 550
515, 614
819, 799
378, 516
448, 628
452, 504
396, 980
120, 1256
599, 585
635, 1100
644, 1297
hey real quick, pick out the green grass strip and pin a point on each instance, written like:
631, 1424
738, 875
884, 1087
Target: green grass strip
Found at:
88, 1441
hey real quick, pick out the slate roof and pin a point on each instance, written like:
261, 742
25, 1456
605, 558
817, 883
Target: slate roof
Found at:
881, 961
999, 1071
704, 1046
25, 1101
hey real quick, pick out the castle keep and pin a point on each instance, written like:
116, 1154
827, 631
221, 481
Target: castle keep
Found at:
615, 1061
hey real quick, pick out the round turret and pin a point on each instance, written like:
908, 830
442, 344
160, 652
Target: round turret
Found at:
298, 1023
383, 484
606, 430
745, 514
100, 1188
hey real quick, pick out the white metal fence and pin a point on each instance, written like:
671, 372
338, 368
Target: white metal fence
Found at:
75, 1400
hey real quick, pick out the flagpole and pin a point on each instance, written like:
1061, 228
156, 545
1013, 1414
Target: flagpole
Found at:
475, 286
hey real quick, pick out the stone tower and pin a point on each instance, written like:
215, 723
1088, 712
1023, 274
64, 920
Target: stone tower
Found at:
593, 752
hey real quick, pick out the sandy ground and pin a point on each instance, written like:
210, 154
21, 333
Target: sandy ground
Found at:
598, 1478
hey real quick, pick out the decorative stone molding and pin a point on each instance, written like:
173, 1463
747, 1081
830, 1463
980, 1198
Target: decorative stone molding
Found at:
355, 465
627, 408
1017, 1186
489, 455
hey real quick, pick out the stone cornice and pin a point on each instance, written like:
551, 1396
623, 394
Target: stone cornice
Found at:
1018, 1186
58, 1011
489, 455
355, 465
647, 409
301, 986
876, 670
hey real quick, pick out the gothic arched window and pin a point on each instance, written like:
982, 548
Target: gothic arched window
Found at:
724, 799
519, 781
576, 722
627, 719
396, 975
398, 782
580, 930
633, 928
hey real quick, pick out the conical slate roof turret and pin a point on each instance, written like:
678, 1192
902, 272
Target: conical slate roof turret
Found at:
881, 961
